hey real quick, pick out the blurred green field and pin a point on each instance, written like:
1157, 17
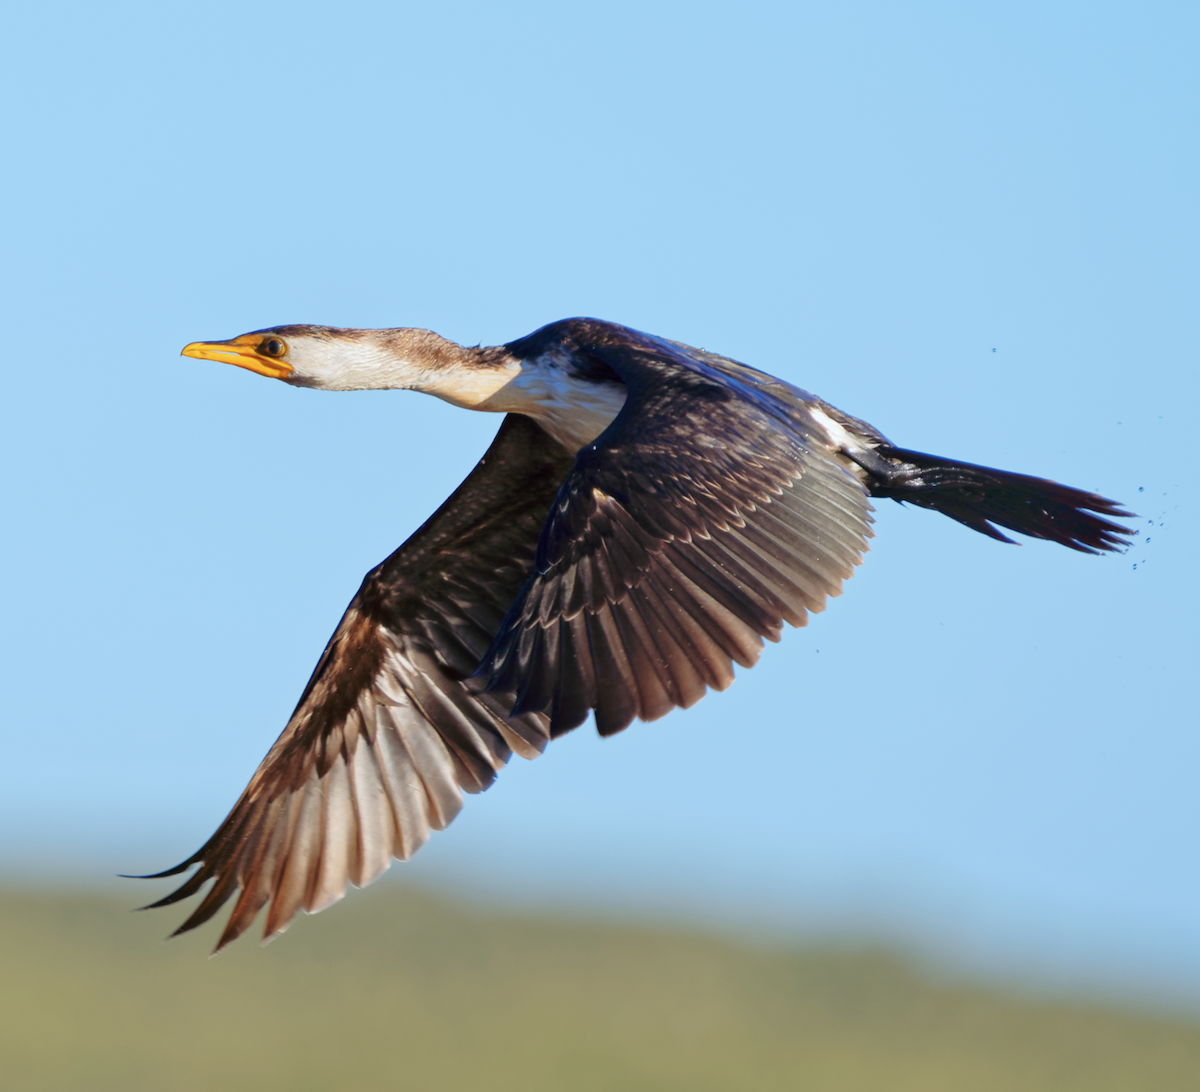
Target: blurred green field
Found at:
396, 989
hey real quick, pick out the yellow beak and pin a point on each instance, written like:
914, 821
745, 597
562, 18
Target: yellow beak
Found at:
242, 351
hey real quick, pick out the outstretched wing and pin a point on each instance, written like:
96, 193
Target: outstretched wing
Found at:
386, 735
713, 509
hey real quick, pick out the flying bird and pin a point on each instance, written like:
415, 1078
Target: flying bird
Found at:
647, 513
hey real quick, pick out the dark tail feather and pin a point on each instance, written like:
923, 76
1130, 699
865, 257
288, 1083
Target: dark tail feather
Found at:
980, 497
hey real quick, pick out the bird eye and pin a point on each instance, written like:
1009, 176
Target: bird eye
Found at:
273, 346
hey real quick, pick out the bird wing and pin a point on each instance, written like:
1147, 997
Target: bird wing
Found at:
387, 734
709, 512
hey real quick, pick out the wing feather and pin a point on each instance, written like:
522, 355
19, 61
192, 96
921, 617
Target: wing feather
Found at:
374, 818
407, 796
303, 845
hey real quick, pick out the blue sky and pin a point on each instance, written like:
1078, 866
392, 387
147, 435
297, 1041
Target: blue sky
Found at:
973, 226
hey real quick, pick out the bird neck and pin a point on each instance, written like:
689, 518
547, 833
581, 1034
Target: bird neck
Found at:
404, 359
466, 376
570, 407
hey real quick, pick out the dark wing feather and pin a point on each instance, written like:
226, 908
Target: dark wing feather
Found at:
711, 511
387, 734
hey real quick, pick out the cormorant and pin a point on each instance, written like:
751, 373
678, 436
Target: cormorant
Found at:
647, 513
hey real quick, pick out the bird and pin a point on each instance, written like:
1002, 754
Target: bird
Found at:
647, 514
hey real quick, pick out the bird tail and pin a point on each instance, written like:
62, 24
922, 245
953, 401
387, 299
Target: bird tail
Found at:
981, 497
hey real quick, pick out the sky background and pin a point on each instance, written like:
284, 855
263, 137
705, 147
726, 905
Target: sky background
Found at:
972, 225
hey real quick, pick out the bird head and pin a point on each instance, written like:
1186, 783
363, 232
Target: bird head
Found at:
324, 357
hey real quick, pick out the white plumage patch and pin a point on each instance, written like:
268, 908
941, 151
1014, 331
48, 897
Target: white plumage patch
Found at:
573, 411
